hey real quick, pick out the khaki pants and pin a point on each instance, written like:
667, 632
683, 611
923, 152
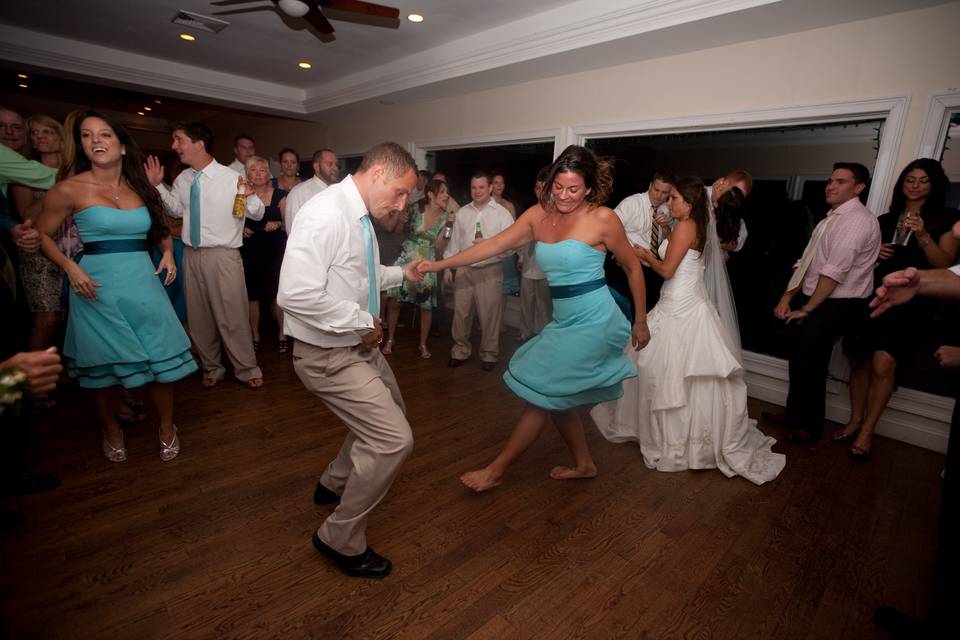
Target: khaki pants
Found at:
218, 310
477, 289
536, 306
357, 384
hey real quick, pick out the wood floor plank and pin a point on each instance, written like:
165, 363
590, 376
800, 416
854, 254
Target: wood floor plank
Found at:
217, 543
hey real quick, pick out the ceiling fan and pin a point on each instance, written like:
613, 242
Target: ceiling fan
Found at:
317, 12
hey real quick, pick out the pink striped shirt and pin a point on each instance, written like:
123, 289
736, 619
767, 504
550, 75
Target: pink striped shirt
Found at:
847, 252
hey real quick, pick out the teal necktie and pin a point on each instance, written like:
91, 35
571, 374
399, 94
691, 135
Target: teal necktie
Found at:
195, 210
373, 304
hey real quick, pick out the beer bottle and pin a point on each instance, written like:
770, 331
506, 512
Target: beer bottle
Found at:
478, 235
239, 204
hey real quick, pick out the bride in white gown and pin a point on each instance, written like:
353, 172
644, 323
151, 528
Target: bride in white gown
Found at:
687, 408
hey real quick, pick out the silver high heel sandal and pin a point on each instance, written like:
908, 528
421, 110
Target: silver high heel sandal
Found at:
170, 451
112, 453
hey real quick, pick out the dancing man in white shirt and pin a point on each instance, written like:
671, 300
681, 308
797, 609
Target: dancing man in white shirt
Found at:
325, 173
216, 293
330, 287
477, 288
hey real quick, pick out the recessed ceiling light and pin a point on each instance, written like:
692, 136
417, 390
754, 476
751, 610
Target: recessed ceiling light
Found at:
187, 37
148, 108
303, 64
140, 113
157, 102
23, 86
22, 75
415, 17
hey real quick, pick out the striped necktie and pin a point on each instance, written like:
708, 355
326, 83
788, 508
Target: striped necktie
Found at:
195, 210
373, 303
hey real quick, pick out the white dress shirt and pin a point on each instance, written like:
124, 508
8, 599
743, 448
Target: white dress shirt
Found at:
218, 188
299, 196
636, 214
493, 219
324, 282
955, 269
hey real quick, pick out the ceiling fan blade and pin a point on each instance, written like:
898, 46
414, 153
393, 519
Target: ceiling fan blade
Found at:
227, 3
364, 8
318, 21
232, 12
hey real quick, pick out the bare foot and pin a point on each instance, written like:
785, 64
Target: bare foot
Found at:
254, 383
480, 480
573, 473
209, 382
848, 432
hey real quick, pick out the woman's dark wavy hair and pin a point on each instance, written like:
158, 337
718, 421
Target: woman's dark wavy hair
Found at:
132, 170
433, 186
728, 213
597, 174
694, 193
937, 197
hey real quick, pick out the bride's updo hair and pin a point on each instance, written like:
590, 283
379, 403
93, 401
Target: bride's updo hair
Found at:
597, 174
694, 193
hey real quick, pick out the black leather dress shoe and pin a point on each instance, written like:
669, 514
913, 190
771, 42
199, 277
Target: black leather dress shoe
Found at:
801, 436
368, 564
488, 366
780, 419
323, 496
455, 362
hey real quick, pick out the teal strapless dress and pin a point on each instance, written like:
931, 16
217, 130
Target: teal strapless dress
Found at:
130, 335
579, 358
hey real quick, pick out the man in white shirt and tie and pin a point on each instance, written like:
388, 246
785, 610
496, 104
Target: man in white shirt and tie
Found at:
330, 287
477, 288
325, 173
639, 213
216, 293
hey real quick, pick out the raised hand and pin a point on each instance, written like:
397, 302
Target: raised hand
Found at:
244, 186
154, 170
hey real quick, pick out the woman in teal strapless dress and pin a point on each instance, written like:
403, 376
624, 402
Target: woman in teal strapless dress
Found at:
578, 359
122, 330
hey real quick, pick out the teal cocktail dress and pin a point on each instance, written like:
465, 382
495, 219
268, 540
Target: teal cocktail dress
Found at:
130, 334
579, 358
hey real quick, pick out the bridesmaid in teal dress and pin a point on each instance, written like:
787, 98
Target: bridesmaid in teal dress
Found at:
579, 358
122, 330
425, 241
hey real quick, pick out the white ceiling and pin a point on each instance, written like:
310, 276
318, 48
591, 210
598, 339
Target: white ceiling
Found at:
462, 44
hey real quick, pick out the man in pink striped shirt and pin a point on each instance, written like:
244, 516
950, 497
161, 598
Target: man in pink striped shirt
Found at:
834, 279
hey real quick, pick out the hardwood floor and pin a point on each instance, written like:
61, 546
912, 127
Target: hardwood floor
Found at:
217, 543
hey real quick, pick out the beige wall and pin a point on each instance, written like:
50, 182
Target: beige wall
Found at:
911, 53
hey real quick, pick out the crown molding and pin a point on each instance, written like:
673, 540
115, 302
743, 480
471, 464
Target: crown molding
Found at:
124, 68
567, 28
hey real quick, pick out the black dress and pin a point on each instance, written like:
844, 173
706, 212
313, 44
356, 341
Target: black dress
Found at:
263, 252
900, 331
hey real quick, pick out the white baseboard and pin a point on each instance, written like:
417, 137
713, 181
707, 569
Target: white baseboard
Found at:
915, 417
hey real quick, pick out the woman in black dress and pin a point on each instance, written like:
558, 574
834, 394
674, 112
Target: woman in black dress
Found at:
916, 233
264, 242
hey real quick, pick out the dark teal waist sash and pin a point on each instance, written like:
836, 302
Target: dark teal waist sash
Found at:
112, 246
574, 290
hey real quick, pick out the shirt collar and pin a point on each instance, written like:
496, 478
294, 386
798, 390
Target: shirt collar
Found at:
357, 209
849, 205
211, 169
320, 180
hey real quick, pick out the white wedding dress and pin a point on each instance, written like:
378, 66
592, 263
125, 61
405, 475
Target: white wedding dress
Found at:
687, 407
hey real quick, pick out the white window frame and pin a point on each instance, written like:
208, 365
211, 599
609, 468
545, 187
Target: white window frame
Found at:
912, 416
